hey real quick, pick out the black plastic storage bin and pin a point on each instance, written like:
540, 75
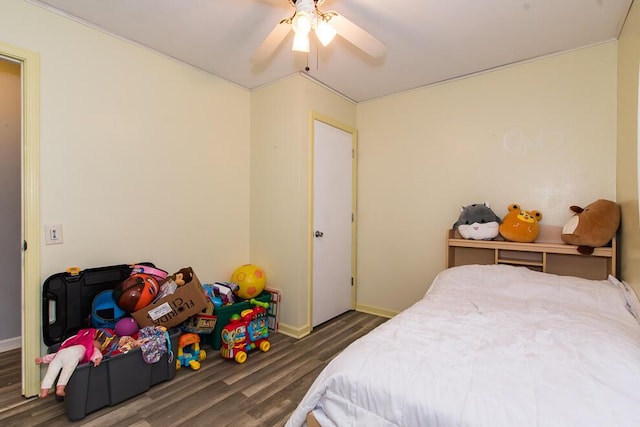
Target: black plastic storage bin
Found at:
66, 309
115, 380
67, 298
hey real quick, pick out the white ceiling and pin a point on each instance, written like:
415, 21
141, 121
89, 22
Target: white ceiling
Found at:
428, 41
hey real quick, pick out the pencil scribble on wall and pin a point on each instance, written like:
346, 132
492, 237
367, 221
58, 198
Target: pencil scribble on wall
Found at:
517, 142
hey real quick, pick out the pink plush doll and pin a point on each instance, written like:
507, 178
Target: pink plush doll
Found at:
80, 348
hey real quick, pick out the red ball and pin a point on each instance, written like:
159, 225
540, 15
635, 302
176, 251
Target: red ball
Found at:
136, 292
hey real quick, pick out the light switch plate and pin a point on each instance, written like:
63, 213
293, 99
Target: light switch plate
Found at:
53, 234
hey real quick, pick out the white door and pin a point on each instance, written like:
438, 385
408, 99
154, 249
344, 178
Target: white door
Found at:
332, 222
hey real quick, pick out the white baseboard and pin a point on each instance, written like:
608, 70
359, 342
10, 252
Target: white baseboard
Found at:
10, 344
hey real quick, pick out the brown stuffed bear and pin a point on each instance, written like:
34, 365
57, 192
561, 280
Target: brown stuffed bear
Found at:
519, 225
593, 226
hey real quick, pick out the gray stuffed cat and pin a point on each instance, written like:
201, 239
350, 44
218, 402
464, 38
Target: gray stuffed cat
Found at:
478, 222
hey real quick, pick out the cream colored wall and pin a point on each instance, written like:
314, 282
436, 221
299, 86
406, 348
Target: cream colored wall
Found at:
280, 186
542, 134
137, 151
627, 157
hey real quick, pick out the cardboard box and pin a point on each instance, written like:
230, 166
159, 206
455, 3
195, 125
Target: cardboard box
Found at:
188, 300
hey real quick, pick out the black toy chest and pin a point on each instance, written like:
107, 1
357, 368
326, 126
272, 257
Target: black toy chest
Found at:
66, 308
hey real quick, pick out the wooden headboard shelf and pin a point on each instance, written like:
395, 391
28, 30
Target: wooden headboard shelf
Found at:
548, 254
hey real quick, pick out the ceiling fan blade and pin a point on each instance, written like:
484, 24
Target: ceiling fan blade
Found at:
271, 43
358, 37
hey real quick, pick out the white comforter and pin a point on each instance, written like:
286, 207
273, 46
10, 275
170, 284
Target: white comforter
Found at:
491, 346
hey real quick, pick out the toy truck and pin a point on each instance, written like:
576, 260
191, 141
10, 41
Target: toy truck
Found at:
245, 332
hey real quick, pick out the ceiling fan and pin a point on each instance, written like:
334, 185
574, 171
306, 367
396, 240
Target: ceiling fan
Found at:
326, 25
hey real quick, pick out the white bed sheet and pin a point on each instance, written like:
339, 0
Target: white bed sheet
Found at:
491, 346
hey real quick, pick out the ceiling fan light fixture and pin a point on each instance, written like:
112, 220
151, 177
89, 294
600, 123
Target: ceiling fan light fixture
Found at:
301, 22
301, 42
324, 32
307, 17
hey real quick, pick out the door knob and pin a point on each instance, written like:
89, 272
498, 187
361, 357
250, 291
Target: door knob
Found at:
319, 233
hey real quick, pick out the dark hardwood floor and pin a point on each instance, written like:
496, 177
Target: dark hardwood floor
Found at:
261, 392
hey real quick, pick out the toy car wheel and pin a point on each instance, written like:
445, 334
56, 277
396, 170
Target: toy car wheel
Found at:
203, 355
178, 364
241, 357
265, 346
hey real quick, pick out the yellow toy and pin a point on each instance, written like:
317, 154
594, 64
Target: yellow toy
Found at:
189, 352
520, 225
250, 279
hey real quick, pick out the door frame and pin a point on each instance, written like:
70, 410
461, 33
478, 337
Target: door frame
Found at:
30, 200
354, 174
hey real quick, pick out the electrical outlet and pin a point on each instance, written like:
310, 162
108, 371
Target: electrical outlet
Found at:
53, 234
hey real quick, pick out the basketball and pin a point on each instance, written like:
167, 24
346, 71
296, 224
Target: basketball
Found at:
136, 292
250, 279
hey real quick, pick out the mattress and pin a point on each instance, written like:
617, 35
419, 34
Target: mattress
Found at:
491, 345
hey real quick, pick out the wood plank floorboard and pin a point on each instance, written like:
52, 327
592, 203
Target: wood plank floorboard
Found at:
263, 391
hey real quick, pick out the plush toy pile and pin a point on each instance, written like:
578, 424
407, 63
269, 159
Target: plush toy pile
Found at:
590, 227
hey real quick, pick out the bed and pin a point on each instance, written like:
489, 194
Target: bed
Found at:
491, 345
